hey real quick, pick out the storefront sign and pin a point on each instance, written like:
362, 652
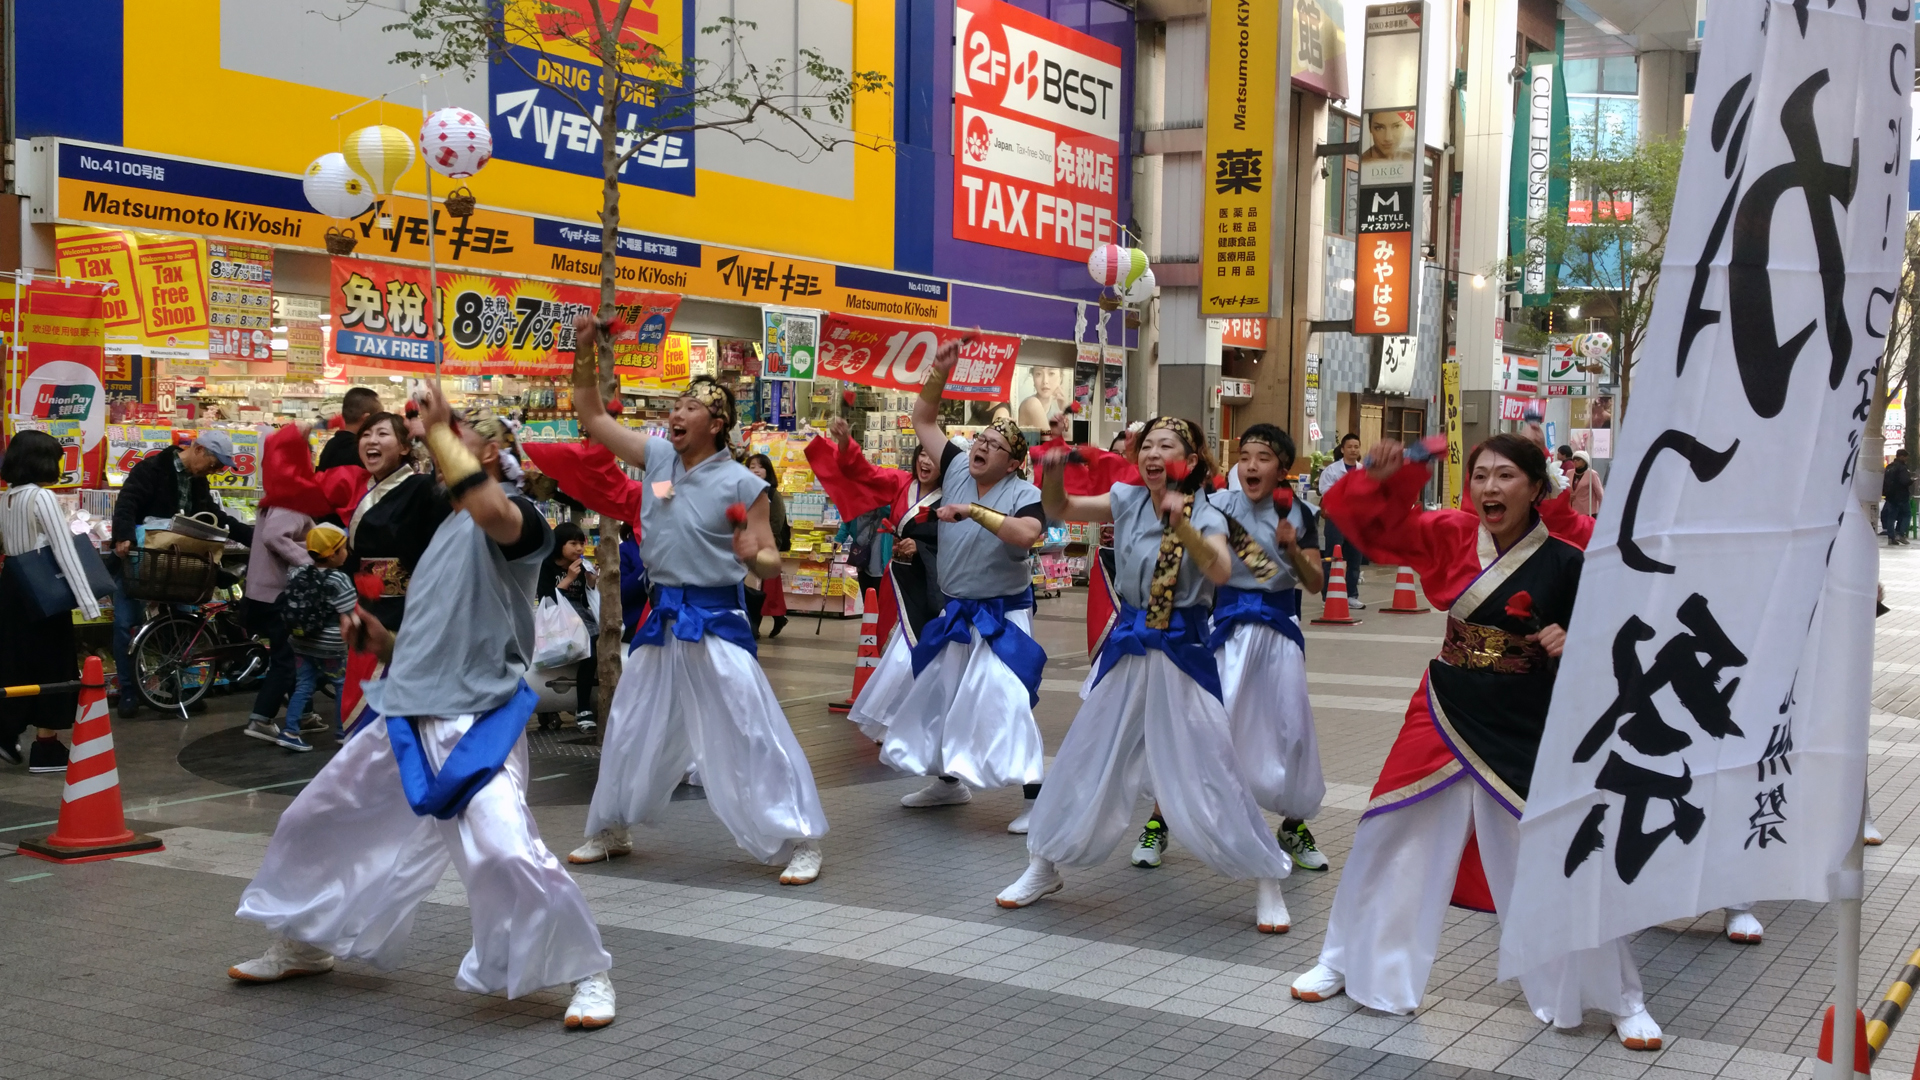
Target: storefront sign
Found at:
1456, 443
1037, 112
1113, 380
1236, 223
244, 473
306, 344
1567, 390
157, 305
1541, 150
119, 188
666, 366
1392, 97
1399, 356
1244, 333
1320, 47
895, 356
239, 301
59, 387
788, 344
536, 123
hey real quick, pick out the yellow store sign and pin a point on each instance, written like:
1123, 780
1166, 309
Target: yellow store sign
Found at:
157, 305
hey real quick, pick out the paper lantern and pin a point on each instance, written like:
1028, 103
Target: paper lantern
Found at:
380, 154
1116, 267
1142, 288
456, 143
1597, 345
334, 188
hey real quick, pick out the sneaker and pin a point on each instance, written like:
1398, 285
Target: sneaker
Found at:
1041, 879
47, 755
944, 791
264, 730
585, 723
804, 867
1153, 844
1270, 909
1018, 826
1319, 984
604, 845
592, 1004
1356, 603
128, 707
312, 722
284, 960
1742, 928
291, 740
1297, 842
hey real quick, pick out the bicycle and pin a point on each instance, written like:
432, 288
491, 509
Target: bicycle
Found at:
187, 650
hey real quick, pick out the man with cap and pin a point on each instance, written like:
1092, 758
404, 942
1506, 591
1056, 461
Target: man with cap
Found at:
165, 483
968, 721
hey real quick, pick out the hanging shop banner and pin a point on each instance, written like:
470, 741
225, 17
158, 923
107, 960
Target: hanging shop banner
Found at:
789, 343
649, 319
57, 385
130, 444
244, 473
894, 356
381, 316
1036, 108
1707, 740
1392, 92
1399, 356
1456, 443
306, 353
158, 303
1244, 333
665, 366
1538, 194
239, 301
1236, 224
1114, 388
107, 186
1320, 47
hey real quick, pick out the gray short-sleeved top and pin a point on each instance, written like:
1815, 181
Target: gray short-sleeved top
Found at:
974, 563
1136, 547
685, 539
1260, 520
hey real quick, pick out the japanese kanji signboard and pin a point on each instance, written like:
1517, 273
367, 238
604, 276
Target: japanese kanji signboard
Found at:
1386, 294
1236, 225
895, 356
1036, 109
1707, 740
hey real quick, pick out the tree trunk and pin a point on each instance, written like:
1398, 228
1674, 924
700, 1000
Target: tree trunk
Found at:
608, 549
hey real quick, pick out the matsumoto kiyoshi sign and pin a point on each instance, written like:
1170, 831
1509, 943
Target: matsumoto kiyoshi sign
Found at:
1707, 739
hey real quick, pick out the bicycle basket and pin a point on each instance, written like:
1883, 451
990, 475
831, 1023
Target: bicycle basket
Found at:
168, 577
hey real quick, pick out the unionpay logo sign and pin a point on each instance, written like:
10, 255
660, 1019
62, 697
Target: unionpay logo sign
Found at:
54, 401
1037, 110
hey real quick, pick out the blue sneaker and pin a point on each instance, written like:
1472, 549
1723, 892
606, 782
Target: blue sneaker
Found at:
291, 740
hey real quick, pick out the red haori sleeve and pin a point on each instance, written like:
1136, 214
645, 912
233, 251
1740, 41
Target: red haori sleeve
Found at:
855, 484
1564, 521
1385, 521
1096, 472
590, 474
287, 477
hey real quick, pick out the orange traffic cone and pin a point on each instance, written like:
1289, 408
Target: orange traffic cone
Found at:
869, 656
1862, 1053
1406, 598
1336, 610
92, 824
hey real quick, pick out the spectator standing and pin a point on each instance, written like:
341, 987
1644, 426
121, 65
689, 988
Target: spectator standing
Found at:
171, 481
1331, 537
38, 650
770, 598
565, 576
357, 408
1897, 489
316, 598
868, 549
1585, 482
279, 547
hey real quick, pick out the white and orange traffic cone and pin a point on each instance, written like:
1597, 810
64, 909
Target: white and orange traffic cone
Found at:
869, 655
1336, 610
1862, 1052
1406, 597
93, 825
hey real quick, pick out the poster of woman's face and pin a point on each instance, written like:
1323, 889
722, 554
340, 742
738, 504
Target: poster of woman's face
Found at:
1387, 152
1039, 393
1601, 414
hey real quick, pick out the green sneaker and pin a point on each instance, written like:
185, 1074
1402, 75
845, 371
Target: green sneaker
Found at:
1153, 844
1297, 842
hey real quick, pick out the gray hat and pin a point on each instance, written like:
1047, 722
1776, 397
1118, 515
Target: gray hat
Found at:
218, 444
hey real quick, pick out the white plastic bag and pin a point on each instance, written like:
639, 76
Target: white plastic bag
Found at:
559, 635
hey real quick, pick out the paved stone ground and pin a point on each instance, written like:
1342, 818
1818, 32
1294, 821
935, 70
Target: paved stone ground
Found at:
896, 963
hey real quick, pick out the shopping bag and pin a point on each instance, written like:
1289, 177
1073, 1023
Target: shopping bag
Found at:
559, 635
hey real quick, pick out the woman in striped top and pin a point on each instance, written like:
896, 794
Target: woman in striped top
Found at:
37, 650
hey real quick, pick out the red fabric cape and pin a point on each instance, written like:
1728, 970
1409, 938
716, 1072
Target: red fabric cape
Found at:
287, 478
591, 476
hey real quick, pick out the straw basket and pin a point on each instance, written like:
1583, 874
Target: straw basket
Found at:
460, 202
341, 241
168, 577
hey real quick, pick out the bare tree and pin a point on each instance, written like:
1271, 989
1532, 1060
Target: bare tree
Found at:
807, 100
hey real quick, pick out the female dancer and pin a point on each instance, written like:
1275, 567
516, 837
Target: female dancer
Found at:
692, 690
1152, 706
1508, 584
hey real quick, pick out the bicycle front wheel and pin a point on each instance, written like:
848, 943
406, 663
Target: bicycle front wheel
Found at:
170, 664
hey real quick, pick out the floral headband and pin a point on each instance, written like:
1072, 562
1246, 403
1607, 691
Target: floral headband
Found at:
711, 395
1010, 431
1182, 429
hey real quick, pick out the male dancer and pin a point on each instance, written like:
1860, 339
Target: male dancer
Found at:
440, 774
693, 690
968, 719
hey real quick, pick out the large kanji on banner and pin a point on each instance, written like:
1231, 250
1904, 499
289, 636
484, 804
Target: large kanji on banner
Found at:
897, 356
1036, 108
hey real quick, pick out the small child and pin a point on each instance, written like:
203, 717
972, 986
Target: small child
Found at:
319, 650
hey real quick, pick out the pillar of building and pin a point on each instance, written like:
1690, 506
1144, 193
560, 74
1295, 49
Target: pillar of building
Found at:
1487, 127
1663, 93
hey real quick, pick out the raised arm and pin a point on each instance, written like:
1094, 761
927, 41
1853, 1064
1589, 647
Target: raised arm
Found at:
595, 424
1377, 507
1061, 506
855, 484
926, 408
469, 486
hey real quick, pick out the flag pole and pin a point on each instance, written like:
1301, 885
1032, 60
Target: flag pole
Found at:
433, 278
1848, 886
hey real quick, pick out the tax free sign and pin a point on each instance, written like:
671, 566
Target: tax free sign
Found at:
1036, 117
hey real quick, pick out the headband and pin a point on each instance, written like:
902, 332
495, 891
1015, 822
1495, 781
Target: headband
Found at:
711, 395
1263, 439
1010, 431
1182, 429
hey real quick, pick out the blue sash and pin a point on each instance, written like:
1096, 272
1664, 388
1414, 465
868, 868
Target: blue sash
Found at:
1015, 648
696, 611
1232, 607
1184, 641
479, 755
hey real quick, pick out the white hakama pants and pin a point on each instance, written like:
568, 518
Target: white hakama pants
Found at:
707, 702
350, 863
1263, 676
1146, 727
892, 679
1384, 931
967, 716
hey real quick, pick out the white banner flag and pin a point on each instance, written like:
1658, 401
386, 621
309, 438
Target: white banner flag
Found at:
1707, 739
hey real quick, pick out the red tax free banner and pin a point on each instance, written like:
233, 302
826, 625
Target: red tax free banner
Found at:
897, 356
1036, 119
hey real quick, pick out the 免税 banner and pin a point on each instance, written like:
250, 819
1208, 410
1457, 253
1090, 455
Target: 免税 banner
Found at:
897, 356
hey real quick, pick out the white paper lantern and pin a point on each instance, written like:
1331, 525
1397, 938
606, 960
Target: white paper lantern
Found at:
335, 189
1142, 288
1116, 267
1597, 345
456, 143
